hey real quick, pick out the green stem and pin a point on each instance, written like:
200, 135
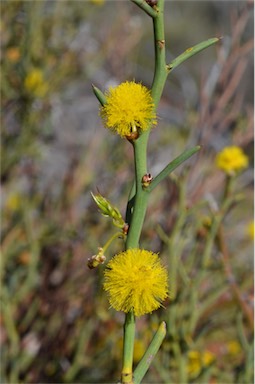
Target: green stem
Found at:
172, 166
145, 7
112, 238
174, 245
160, 71
218, 217
128, 349
180, 359
130, 205
140, 145
141, 196
149, 355
191, 52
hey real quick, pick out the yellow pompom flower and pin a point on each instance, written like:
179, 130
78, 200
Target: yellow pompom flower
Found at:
129, 109
231, 160
135, 280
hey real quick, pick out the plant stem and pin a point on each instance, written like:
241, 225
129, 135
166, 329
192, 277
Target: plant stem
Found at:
160, 71
128, 349
145, 7
172, 166
230, 276
149, 355
141, 196
140, 145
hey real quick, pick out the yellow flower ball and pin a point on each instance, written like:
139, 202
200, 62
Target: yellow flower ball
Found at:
135, 280
129, 109
231, 160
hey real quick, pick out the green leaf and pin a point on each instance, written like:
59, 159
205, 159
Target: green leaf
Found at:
191, 52
99, 94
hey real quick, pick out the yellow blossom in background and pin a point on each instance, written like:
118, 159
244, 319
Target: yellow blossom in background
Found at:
197, 361
13, 202
207, 358
129, 109
136, 280
97, 2
231, 160
13, 54
35, 84
139, 349
234, 347
250, 230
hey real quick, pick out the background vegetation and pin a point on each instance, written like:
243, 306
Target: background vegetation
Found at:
55, 319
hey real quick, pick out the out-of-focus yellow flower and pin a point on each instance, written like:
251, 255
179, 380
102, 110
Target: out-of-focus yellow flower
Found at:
97, 2
231, 160
34, 83
136, 280
13, 54
197, 361
233, 347
139, 349
207, 358
13, 202
129, 110
250, 230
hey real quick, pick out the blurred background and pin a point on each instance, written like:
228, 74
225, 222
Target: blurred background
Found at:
56, 325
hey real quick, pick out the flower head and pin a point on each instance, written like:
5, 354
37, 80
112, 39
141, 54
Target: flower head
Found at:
136, 280
231, 160
198, 361
129, 109
34, 83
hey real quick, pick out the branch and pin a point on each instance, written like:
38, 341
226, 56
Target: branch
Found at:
191, 52
146, 7
171, 167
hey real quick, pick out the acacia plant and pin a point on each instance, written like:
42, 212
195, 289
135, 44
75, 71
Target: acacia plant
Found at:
135, 280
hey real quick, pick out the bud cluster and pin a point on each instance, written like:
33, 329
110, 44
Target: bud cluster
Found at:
109, 210
95, 260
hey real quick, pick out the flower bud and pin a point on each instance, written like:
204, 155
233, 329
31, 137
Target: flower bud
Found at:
109, 210
152, 3
146, 180
96, 260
